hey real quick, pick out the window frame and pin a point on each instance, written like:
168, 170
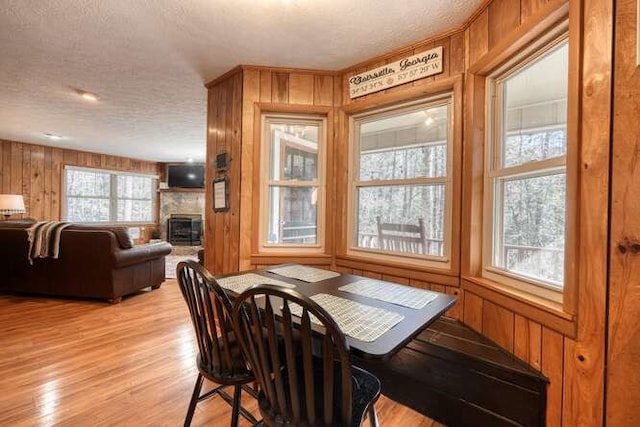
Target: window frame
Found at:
494, 171
425, 100
266, 118
113, 195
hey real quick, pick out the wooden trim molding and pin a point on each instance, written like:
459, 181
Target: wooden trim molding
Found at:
448, 274
398, 270
279, 254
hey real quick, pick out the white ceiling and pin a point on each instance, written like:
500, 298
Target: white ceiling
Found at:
148, 60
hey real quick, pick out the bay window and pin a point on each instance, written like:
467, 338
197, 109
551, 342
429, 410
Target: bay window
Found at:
400, 182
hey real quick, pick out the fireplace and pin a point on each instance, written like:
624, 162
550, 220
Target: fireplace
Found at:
184, 229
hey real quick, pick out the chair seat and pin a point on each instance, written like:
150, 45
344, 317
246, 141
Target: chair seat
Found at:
366, 389
238, 373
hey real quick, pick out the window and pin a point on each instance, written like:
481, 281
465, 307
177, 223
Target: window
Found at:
292, 193
526, 174
400, 181
93, 195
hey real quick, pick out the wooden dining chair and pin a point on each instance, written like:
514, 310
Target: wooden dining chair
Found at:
220, 357
409, 238
304, 373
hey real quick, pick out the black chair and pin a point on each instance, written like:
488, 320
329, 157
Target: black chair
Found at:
220, 357
304, 373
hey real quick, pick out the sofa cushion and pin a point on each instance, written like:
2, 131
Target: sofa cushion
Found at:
121, 233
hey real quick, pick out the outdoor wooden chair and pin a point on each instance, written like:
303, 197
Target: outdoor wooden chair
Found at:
220, 357
407, 238
304, 377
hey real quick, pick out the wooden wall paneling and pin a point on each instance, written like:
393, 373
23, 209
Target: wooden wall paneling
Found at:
280, 88
446, 58
473, 176
35, 171
209, 223
552, 368
527, 341
26, 178
47, 183
498, 324
521, 337
330, 184
96, 161
535, 345
583, 390
457, 310
251, 90
623, 353
420, 284
323, 90
479, 36
265, 86
504, 16
3, 168
472, 311
236, 152
218, 219
229, 238
437, 288
530, 7
37, 182
342, 270
6, 166
301, 88
16, 167
71, 157
396, 279
456, 54
56, 184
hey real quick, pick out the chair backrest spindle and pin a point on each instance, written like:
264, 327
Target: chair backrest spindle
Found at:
303, 369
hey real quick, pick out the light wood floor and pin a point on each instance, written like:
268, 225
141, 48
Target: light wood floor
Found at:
88, 363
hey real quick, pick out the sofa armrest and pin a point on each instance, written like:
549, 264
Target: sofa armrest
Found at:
138, 254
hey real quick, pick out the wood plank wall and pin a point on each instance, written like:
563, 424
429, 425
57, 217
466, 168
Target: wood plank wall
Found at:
623, 382
275, 87
574, 363
224, 118
35, 171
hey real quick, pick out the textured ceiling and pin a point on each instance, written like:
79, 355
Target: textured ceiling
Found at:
147, 60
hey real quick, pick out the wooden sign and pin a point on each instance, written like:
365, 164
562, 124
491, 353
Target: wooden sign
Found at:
406, 70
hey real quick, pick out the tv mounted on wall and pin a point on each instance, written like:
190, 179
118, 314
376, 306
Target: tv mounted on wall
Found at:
185, 175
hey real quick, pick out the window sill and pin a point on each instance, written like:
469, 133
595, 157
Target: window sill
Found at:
399, 269
548, 313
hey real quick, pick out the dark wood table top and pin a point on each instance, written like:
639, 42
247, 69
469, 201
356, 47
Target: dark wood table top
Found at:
391, 341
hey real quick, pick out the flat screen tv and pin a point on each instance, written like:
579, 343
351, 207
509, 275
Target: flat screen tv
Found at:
185, 176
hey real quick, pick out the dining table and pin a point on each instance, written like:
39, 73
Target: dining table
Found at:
410, 310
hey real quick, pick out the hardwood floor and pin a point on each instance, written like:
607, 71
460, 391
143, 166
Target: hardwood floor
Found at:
78, 363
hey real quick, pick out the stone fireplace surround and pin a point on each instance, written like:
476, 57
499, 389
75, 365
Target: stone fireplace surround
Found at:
176, 202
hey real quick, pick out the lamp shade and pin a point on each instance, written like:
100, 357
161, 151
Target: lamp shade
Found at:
11, 204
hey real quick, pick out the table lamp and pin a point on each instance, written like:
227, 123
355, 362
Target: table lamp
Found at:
11, 204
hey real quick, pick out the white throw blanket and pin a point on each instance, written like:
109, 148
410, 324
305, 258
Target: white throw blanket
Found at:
44, 239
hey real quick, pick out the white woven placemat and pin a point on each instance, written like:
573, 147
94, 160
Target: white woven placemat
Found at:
393, 293
357, 320
240, 283
304, 273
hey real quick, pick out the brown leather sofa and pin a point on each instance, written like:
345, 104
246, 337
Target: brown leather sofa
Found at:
94, 262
